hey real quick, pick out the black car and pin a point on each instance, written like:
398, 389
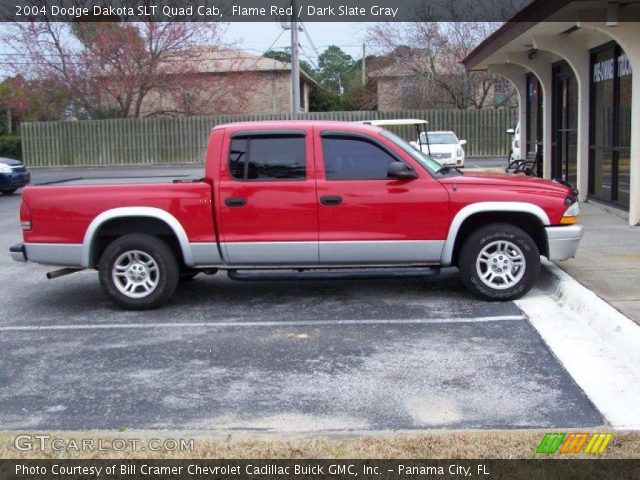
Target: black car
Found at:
13, 175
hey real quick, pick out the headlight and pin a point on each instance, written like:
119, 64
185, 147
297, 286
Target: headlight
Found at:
459, 152
571, 214
4, 168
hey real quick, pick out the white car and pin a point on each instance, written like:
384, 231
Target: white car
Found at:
444, 147
516, 151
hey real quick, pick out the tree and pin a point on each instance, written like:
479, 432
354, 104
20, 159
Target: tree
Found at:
433, 52
324, 100
333, 64
24, 100
339, 77
286, 58
114, 69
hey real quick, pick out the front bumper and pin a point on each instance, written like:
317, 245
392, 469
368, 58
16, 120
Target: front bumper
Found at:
563, 241
14, 180
18, 252
450, 162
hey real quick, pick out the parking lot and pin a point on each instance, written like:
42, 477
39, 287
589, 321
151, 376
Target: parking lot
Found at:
289, 355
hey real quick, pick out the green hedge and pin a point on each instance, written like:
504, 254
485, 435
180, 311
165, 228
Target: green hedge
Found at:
11, 146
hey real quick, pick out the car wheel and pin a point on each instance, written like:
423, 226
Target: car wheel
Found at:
499, 262
138, 272
8, 191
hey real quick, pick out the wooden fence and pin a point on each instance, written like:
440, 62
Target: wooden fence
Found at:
184, 140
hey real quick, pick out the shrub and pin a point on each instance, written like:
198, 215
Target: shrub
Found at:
11, 146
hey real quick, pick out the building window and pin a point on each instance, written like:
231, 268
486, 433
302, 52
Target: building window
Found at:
610, 133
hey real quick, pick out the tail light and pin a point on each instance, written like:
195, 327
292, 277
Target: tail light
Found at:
25, 216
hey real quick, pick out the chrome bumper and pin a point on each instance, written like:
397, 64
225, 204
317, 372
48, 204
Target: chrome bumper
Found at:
18, 252
563, 241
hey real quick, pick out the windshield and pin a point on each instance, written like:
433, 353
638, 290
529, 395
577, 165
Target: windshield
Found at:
438, 138
424, 160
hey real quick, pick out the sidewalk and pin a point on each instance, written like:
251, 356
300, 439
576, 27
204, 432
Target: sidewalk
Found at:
608, 259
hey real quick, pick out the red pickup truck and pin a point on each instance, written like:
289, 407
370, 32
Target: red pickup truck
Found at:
303, 195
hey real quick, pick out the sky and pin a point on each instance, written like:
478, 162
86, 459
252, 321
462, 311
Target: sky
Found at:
259, 36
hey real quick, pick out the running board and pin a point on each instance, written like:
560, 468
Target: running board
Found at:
62, 272
333, 274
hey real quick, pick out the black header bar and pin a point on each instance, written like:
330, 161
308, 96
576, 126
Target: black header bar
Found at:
305, 10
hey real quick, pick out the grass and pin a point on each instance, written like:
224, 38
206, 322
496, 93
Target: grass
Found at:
433, 445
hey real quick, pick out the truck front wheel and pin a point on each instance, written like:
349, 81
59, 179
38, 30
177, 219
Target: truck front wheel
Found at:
138, 272
499, 262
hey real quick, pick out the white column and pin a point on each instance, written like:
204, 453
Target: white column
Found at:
540, 65
517, 76
627, 35
574, 50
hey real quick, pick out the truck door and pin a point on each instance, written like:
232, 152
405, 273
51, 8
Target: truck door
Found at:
366, 217
267, 198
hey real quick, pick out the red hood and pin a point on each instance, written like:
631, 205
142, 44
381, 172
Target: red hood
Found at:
505, 180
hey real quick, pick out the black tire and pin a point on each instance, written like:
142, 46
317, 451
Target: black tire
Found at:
505, 276
8, 191
165, 275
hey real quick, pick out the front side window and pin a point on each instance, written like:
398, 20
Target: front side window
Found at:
268, 157
354, 159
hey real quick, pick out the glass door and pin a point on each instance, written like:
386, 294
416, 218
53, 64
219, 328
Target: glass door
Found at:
565, 124
609, 162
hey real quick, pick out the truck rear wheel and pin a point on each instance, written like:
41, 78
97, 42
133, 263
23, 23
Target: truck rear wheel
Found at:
138, 272
499, 262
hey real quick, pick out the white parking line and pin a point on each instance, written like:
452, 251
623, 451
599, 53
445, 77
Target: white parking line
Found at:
301, 323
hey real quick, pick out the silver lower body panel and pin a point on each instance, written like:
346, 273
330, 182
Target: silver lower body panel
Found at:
383, 251
280, 254
62, 254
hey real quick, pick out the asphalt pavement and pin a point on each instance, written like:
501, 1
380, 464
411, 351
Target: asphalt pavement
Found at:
290, 355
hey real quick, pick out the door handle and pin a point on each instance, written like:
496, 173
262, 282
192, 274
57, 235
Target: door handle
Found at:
235, 202
331, 200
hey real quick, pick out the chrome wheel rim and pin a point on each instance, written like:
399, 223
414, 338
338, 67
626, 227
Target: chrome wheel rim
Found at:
135, 274
501, 265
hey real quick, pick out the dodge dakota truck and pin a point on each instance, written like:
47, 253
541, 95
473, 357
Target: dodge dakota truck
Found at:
302, 195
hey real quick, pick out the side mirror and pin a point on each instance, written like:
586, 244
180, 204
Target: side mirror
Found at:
463, 142
401, 171
415, 145
510, 131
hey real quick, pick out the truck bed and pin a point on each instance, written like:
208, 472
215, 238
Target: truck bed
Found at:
119, 180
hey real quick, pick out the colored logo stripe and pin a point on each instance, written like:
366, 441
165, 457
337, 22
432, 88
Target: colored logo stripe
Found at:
550, 443
574, 442
598, 442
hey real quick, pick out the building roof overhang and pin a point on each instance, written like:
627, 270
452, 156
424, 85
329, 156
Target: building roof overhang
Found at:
544, 17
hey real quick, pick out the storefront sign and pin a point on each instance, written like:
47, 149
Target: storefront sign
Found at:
603, 70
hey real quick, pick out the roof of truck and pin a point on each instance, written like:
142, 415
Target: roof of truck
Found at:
288, 124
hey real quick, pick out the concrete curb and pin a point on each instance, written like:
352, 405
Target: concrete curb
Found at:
597, 345
621, 332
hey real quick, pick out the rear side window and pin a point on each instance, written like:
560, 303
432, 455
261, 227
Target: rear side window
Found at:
348, 158
269, 157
